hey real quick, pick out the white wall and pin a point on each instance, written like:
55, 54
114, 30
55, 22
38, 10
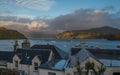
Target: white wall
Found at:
35, 60
29, 69
2, 66
50, 56
22, 67
10, 65
25, 68
45, 72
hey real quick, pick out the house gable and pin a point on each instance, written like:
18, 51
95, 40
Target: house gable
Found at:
36, 59
91, 60
16, 61
16, 58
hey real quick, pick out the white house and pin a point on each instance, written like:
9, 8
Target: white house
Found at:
110, 59
50, 60
83, 57
35, 60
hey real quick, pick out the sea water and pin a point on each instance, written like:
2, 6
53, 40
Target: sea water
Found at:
64, 44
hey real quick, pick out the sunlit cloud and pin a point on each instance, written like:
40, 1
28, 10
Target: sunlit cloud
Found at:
36, 26
98, 11
14, 25
33, 26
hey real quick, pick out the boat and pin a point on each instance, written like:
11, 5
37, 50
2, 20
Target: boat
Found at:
118, 46
83, 42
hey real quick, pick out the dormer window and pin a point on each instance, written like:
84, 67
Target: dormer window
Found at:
16, 63
36, 66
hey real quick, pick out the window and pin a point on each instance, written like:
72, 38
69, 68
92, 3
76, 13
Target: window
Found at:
86, 66
35, 66
51, 73
76, 73
83, 73
92, 73
16, 63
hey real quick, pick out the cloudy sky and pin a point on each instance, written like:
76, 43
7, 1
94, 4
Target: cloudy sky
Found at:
47, 17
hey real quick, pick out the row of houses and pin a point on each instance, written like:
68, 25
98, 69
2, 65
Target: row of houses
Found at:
51, 60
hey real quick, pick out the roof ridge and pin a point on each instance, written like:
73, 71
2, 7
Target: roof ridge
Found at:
83, 54
62, 53
87, 52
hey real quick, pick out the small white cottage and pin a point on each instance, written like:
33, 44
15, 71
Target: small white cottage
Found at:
50, 60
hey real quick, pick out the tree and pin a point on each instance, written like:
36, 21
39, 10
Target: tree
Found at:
90, 66
79, 68
101, 70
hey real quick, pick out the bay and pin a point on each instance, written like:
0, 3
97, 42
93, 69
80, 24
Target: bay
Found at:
64, 44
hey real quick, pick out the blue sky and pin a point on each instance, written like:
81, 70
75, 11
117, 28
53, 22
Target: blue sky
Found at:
55, 16
57, 7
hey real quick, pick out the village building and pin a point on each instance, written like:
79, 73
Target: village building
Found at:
35, 60
51, 60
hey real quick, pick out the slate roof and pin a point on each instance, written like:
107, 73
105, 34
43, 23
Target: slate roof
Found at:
57, 64
108, 57
100, 53
42, 51
83, 54
75, 50
59, 54
6, 55
26, 55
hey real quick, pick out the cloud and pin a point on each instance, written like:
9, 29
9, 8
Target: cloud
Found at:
107, 8
19, 19
76, 20
5, 11
14, 25
43, 5
84, 19
33, 26
36, 26
32, 29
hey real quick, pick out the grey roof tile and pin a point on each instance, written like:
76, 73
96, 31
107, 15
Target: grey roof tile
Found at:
6, 56
28, 54
59, 54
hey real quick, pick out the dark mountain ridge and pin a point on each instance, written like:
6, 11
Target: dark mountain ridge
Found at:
105, 32
10, 34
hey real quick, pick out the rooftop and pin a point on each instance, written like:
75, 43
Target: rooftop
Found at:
26, 55
59, 54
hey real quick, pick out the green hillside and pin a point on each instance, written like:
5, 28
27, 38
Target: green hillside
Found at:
10, 34
94, 33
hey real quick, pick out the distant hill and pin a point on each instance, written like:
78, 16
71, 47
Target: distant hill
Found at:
10, 34
105, 32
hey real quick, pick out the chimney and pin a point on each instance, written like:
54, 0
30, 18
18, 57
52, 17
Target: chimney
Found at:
26, 44
16, 46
